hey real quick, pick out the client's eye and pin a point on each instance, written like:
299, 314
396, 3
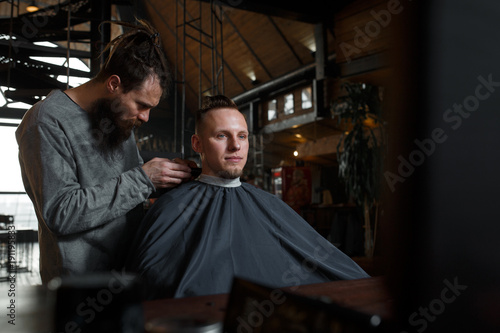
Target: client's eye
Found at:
221, 136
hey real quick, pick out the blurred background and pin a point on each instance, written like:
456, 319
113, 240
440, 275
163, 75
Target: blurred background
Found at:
412, 194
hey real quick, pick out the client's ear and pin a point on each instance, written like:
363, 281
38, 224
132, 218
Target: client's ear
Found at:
196, 143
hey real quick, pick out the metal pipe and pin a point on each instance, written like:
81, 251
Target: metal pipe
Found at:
308, 71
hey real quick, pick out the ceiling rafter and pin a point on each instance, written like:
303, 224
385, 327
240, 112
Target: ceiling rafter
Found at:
248, 46
174, 34
283, 37
226, 65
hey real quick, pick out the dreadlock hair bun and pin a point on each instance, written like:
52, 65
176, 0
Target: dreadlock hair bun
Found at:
135, 55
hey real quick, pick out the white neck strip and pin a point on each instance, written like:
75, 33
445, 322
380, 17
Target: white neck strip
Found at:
217, 181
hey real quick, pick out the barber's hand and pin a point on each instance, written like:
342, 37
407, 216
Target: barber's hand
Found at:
165, 173
189, 163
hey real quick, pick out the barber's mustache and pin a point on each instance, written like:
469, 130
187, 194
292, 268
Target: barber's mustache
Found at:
131, 124
138, 123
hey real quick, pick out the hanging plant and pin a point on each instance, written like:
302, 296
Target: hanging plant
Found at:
360, 148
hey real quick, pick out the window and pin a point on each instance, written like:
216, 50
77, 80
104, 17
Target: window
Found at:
10, 173
271, 110
289, 107
306, 97
13, 200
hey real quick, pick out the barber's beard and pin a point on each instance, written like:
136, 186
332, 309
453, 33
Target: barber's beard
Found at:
109, 129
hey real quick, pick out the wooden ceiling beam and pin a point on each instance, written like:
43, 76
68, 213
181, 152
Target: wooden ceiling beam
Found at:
248, 46
312, 11
226, 65
174, 34
283, 37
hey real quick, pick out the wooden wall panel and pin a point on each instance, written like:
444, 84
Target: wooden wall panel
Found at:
363, 28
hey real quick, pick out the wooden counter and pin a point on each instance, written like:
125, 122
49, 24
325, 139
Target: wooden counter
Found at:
365, 295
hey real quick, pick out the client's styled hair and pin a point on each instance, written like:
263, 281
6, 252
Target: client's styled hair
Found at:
211, 103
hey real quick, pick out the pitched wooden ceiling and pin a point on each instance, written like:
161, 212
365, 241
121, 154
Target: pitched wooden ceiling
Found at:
249, 43
226, 46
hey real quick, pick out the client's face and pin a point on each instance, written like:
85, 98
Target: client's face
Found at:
222, 143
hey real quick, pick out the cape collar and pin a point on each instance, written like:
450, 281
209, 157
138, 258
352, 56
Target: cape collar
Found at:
217, 181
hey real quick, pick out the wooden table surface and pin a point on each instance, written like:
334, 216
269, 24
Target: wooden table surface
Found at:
365, 295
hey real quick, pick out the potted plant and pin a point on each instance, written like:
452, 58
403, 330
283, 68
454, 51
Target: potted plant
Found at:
359, 151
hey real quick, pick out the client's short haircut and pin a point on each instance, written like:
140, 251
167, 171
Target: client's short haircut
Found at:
212, 103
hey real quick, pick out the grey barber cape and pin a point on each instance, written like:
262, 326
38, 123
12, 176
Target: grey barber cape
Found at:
198, 236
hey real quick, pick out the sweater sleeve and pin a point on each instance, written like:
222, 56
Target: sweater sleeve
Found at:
50, 175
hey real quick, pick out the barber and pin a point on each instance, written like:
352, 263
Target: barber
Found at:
80, 164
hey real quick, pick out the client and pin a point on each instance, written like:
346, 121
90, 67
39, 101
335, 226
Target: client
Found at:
197, 237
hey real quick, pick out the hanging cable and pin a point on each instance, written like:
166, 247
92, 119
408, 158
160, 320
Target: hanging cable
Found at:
68, 37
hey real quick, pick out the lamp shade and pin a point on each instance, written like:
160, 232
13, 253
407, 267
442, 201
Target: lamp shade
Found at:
32, 7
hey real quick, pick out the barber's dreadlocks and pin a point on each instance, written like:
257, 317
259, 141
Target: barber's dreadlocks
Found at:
135, 55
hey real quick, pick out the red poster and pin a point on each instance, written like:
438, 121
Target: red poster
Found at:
297, 187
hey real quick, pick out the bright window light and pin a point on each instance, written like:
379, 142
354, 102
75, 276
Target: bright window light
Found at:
10, 121
306, 96
10, 173
289, 107
46, 44
73, 80
271, 110
74, 63
3, 101
15, 203
19, 105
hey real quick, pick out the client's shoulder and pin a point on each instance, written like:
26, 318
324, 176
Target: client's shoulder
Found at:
258, 191
177, 192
